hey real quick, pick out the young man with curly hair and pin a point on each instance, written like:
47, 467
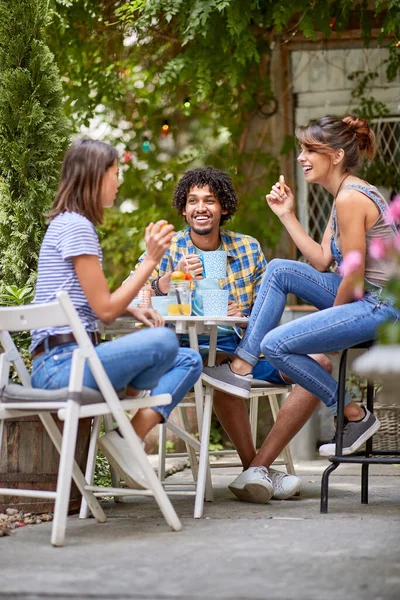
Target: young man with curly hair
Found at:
206, 198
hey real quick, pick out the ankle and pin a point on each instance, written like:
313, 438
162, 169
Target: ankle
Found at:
354, 412
240, 367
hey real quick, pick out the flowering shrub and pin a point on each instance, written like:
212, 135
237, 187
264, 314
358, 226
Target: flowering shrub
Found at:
389, 333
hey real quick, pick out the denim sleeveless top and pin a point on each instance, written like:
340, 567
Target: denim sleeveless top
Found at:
377, 272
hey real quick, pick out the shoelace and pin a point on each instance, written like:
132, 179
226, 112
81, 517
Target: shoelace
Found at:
345, 423
262, 470
276, 478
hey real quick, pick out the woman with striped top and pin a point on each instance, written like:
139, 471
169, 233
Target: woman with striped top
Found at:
71, 260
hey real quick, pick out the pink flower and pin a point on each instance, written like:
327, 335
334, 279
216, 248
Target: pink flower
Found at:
377, 248
392, 213
397, 241
350, 263
358, 291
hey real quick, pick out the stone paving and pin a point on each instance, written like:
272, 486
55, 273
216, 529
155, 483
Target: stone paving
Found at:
279, 551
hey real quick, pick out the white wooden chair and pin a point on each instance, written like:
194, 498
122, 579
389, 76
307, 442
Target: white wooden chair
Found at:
260, 389
71, 404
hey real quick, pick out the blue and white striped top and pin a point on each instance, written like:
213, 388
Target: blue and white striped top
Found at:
68, 235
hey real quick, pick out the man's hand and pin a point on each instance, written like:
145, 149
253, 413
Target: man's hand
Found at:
191, 263
147, 316
234, 309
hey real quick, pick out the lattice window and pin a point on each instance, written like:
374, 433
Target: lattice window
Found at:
387, 133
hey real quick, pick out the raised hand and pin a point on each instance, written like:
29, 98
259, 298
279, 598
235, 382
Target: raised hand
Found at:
281, 204
158, 238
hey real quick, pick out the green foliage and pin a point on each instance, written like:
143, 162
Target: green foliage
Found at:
33, 133
132, 64
14, 296
102, 473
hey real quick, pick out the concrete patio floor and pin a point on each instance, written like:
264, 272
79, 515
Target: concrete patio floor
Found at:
279, 551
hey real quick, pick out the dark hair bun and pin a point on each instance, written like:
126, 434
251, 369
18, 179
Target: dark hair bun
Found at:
365, 135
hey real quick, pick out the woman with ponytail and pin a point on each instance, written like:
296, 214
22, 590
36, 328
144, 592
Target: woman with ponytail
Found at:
331, 149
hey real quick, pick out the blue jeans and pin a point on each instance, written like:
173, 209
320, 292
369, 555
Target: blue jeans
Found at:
331, 329
146, 360
228, 343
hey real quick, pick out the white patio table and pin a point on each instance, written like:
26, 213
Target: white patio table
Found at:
192, 326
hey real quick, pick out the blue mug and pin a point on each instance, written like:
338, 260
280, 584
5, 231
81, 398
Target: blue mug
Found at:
214, 264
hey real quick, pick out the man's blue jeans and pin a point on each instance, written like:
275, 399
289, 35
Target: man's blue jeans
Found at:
146, 360
331, 329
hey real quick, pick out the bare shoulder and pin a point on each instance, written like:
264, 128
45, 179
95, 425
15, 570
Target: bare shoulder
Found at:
349, 200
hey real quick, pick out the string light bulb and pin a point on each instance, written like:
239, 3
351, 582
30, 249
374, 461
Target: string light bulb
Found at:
146, 144
186, 103
165, 129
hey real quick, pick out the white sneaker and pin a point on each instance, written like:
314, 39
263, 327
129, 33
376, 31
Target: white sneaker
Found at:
285, 486
119, 455
253, 485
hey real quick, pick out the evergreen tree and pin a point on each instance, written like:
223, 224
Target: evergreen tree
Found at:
33, 134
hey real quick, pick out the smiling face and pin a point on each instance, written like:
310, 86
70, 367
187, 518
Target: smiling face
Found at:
203, 210
109, 186
317, 167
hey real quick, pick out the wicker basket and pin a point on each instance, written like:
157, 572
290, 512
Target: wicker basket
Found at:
388, 436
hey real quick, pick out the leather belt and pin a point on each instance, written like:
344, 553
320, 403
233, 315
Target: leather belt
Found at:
64, 338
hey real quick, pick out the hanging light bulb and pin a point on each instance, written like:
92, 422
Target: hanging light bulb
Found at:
186, 103
165, 129
146, 144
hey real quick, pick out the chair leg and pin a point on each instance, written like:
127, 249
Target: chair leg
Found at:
253, 418
368, 447
65, 473
189, 449
325, 487
364, 483
115, 478
154, 484
274, 404
56, 438
90, 464
162, 439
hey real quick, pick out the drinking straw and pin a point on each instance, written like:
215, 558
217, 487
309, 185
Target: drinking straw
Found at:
178, 297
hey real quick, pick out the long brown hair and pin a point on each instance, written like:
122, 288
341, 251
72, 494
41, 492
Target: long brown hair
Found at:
328, 134
85, 164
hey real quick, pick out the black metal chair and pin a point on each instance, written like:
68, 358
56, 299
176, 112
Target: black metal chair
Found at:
364, 458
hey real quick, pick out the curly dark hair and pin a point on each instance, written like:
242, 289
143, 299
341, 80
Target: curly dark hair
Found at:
219, 183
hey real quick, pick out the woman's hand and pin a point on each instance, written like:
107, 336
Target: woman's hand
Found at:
158, 238
281, 204
147, 316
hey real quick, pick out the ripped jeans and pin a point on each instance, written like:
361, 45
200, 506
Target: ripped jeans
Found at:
331, 329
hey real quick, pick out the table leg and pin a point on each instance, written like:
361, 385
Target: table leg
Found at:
198, 386
204, 466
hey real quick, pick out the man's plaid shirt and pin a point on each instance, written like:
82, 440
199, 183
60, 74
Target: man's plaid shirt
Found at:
245, 265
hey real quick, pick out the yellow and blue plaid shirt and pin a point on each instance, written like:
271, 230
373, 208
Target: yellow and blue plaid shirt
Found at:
246, 264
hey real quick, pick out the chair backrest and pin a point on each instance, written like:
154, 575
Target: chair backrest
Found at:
53, 314
13, 319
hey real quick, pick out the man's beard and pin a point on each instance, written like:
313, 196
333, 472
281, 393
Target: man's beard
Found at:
202, 231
